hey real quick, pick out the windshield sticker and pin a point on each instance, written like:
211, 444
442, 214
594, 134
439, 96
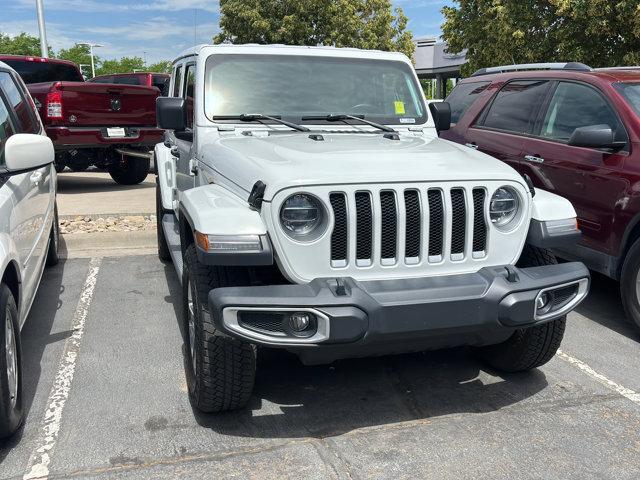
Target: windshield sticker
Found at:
407, 120
399, 107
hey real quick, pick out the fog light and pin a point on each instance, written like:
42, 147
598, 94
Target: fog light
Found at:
300, 321
542, 301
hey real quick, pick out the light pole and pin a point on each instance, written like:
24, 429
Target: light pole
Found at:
44, 46
91, 45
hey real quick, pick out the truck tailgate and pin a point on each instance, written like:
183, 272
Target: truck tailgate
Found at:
95, 104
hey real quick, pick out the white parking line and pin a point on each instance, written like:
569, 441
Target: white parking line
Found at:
40, 459
610, 384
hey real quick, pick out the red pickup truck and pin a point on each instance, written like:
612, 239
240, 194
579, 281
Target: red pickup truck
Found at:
111, 126
158, 80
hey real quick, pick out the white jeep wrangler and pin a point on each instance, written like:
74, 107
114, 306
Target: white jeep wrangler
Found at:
308, 204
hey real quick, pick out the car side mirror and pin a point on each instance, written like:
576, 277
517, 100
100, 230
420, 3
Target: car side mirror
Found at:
171, 113
595, 136
27, 151
441, 112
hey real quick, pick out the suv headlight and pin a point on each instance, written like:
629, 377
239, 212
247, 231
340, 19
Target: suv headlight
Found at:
504, 209
303, 217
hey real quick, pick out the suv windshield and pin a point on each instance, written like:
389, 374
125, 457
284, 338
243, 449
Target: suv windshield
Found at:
296, 86
631, 91
36, 72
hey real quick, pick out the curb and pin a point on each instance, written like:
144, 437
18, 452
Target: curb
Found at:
95, 216
108, 244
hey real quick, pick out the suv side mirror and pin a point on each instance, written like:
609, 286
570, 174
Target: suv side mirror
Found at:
27, 151
171, 113
441, 112
595, 136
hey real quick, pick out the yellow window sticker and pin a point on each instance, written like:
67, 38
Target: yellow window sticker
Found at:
399, 107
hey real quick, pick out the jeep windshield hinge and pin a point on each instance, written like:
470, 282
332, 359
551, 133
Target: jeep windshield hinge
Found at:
256, 195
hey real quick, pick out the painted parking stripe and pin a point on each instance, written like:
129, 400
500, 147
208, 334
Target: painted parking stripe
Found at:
610, 384
40, 459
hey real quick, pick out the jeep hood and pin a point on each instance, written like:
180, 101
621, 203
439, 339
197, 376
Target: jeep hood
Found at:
284, 160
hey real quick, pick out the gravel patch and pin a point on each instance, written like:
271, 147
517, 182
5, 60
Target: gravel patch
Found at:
93, 224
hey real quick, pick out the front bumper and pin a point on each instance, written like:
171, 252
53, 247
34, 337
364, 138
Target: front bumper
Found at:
392, 316
67, 138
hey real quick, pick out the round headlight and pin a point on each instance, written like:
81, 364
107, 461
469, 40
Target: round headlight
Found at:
302, 217
504, 207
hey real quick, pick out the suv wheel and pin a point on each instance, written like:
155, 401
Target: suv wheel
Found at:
529, 347
163, 249
630, 284
11, 413
220, 369
129, 171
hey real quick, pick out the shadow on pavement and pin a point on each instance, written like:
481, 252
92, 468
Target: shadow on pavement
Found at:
292, 400
79, 183
603, 305
36, 336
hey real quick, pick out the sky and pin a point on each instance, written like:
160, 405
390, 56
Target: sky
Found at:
157, 30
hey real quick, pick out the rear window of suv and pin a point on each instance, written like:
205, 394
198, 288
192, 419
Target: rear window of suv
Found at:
463, 96
515, 107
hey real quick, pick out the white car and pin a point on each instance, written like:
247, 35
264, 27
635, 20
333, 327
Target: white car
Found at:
308, 204
28, 230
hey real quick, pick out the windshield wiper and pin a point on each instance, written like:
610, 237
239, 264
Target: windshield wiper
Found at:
337, 117
253, 117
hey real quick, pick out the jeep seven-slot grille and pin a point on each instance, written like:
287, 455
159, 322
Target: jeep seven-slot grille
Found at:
436, 226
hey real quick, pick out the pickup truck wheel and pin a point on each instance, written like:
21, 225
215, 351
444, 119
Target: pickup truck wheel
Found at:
220, 369
129, 171
529, 347
11, 411
630, 284
163, 249
54, 240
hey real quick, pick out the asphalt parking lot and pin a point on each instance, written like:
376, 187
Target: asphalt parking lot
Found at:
106, 394
106, 398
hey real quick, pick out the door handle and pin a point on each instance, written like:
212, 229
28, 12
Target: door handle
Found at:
35, 178
534, 159
471, 145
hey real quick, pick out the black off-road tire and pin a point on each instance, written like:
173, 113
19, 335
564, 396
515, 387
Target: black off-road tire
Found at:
628, 281
531, 347
129, 170
163, 248
11, 412
225, 367
54, 240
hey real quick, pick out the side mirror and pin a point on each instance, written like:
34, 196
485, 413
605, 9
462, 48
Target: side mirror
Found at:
595, 136
171, 113
441, 112
26, 151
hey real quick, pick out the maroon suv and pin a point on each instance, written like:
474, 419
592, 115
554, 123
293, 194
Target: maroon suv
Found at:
576, 132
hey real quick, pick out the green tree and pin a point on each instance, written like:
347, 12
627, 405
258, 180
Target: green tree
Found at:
122, 65
22, 44
596, 32
81, 56
373, 24
163, 66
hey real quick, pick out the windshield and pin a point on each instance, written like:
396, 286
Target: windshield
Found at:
293, 87
631, 91
36, 72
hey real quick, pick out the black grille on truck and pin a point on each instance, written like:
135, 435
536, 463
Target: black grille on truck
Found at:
458, 221
436, 223
389, 225
364, 226
479, 221
339, 237
414, 226
413, 236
